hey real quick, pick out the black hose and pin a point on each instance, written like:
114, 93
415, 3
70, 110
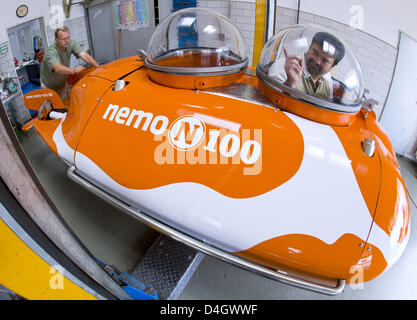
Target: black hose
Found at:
298, 12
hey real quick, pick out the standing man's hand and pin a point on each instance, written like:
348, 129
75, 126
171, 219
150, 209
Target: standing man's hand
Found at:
293, 68
60, 68
79, 69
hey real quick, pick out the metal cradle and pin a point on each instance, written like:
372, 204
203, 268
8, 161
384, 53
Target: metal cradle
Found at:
319, 285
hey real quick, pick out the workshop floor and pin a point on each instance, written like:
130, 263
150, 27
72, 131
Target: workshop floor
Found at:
118, 239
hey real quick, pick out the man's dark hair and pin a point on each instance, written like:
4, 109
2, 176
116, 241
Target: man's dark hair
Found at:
339, 49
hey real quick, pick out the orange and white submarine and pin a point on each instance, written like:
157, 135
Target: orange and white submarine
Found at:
299, 187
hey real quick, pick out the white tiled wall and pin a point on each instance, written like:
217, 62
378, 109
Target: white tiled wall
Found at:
220, 6
241, 13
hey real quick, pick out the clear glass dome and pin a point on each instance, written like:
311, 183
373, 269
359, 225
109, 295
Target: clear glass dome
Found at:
196, 41
312, 64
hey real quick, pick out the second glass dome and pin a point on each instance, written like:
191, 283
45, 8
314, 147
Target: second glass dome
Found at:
312, 64
196, 41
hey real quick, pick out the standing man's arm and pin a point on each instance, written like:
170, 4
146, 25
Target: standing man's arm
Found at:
60, 68
89, 59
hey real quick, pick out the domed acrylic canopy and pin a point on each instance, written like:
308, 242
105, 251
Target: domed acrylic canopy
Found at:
195, 42
312, 65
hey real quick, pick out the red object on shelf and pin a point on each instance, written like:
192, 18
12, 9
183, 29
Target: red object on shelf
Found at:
40, 55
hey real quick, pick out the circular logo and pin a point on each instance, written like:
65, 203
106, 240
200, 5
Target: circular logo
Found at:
186, 133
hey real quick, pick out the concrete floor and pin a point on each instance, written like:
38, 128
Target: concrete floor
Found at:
118, 239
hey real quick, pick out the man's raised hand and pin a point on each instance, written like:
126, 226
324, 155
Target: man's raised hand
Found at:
293, 68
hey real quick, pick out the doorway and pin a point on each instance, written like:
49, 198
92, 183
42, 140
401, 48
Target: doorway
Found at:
27, 43
399, 117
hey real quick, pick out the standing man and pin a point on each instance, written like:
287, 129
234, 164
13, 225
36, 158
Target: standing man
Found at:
56, 63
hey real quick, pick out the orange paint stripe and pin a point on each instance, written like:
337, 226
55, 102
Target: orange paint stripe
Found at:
340, 260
